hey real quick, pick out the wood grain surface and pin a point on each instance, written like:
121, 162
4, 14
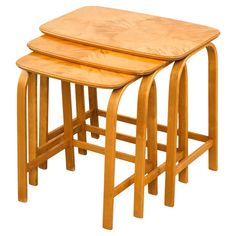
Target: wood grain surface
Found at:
95, 57
72, 72
135, 33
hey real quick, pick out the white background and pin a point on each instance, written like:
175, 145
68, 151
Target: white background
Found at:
70, 203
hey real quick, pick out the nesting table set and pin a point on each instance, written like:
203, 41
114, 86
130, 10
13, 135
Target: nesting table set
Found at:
107, 48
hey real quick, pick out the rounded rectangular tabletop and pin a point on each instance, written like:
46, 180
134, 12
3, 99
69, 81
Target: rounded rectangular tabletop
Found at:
134, 33
72, 72
95, 57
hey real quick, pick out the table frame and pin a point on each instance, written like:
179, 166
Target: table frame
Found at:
146, 170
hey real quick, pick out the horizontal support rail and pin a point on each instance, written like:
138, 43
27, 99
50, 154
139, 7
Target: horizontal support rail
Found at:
51, 143
45, 156
123, 185
128, 182
126, 119
193, 156
148, 178
162, 128
160, 169
59, 130
101, 131
101, 150
119, 136
98, 149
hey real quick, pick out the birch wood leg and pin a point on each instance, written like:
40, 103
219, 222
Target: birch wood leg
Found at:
32, 122
22, 136
213, 105
152, 136
79, 91
172, 134
43, 113
183, 122
110, 145
68, 125
93, 105
141, 127
172, 121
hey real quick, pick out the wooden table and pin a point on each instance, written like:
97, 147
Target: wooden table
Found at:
109, 48
134, 33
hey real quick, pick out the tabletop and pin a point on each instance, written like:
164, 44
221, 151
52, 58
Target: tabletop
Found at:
73, 72
130, 32
95, 57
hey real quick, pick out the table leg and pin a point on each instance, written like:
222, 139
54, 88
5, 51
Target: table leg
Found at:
172, 133
43, 114
152, 136
93, 105
141, 128
68, 125
110, 150
22, 136
213, 105
32, 122
79, 91
183, 122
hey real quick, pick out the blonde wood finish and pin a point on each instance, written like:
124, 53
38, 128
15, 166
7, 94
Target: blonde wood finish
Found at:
46, 155
160, 127
94, 148
59, 130
93, 105
80, 109
213, 105
183, 122
135, 33
110, 147
172, 132
68, 125
172, 119
95, 57
191, 135
160, 169
152, 136
22, 136
32, 126
193, 156
50, 144
120, 136
124, 185
72, 72
129, 181
141, 126
43, 113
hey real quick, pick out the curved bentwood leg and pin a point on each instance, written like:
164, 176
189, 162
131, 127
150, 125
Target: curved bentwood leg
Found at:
93, 105
43, 113
213, 105
80, 110
68, 125
147, 91
174, 87
183, 122
152, 136
32, 125
110, 149
22, 136
172, 133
